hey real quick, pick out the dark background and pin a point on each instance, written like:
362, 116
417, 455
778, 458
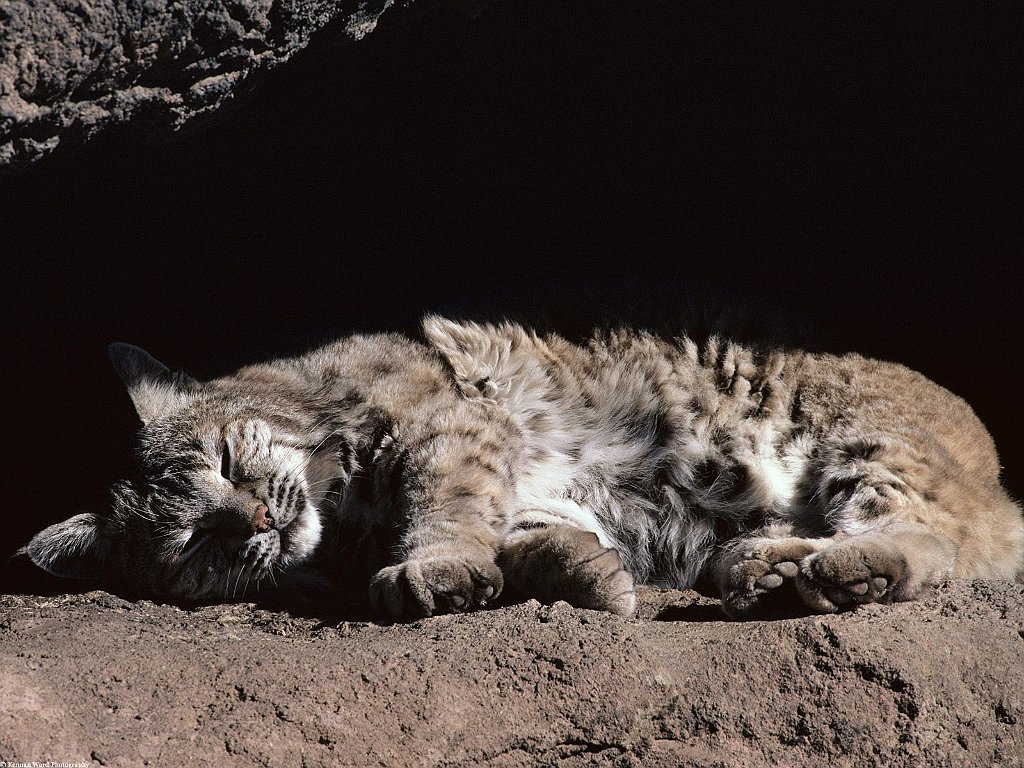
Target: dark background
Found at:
848, 173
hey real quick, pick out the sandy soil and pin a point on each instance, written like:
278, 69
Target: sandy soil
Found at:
92, 678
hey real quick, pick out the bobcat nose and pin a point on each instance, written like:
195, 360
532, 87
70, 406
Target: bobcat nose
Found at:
262, 520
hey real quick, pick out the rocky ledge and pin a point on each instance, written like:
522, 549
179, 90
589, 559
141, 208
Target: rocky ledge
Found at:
70, 69
94, 678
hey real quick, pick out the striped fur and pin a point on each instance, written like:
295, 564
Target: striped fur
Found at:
494, 458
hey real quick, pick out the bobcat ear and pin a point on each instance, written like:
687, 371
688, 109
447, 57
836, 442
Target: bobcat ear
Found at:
468, 348
154, 388
74, 549
453, 338
487, 361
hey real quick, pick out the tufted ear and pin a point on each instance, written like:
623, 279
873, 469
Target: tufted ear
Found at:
474, 352
74, 549
155, 390
496, 362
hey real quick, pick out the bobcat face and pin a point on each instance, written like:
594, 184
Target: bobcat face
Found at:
233, 492
242, 501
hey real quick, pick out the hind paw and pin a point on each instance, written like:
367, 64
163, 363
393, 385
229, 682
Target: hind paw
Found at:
850, 573
753, 575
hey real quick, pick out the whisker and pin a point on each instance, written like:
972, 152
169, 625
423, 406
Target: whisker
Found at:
309, 430
173, 533
173, 475
234, 591
329, 481
317, 448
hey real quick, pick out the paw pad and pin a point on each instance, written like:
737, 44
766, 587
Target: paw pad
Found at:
424, 587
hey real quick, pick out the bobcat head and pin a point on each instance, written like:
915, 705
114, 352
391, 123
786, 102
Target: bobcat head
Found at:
236, 475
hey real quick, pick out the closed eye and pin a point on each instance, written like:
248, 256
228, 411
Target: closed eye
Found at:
225, 462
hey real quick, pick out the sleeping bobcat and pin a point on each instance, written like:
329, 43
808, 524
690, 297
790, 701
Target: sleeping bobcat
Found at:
438, 474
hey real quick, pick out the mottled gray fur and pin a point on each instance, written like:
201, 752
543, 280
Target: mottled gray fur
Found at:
492, 457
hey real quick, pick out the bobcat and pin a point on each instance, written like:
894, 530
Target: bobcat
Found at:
490, 457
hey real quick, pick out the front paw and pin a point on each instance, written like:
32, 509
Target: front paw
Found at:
426, 586
566, 563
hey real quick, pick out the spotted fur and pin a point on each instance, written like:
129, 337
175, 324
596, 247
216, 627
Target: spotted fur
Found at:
493, 457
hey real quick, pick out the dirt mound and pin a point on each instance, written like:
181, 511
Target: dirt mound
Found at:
95, 678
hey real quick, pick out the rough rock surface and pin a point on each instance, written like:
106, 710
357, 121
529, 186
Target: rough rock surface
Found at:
936, 683
72, 68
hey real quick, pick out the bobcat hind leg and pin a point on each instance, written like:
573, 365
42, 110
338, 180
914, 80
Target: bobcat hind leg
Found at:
765, 576
882, 566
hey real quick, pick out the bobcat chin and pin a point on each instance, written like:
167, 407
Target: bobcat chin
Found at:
434, 475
